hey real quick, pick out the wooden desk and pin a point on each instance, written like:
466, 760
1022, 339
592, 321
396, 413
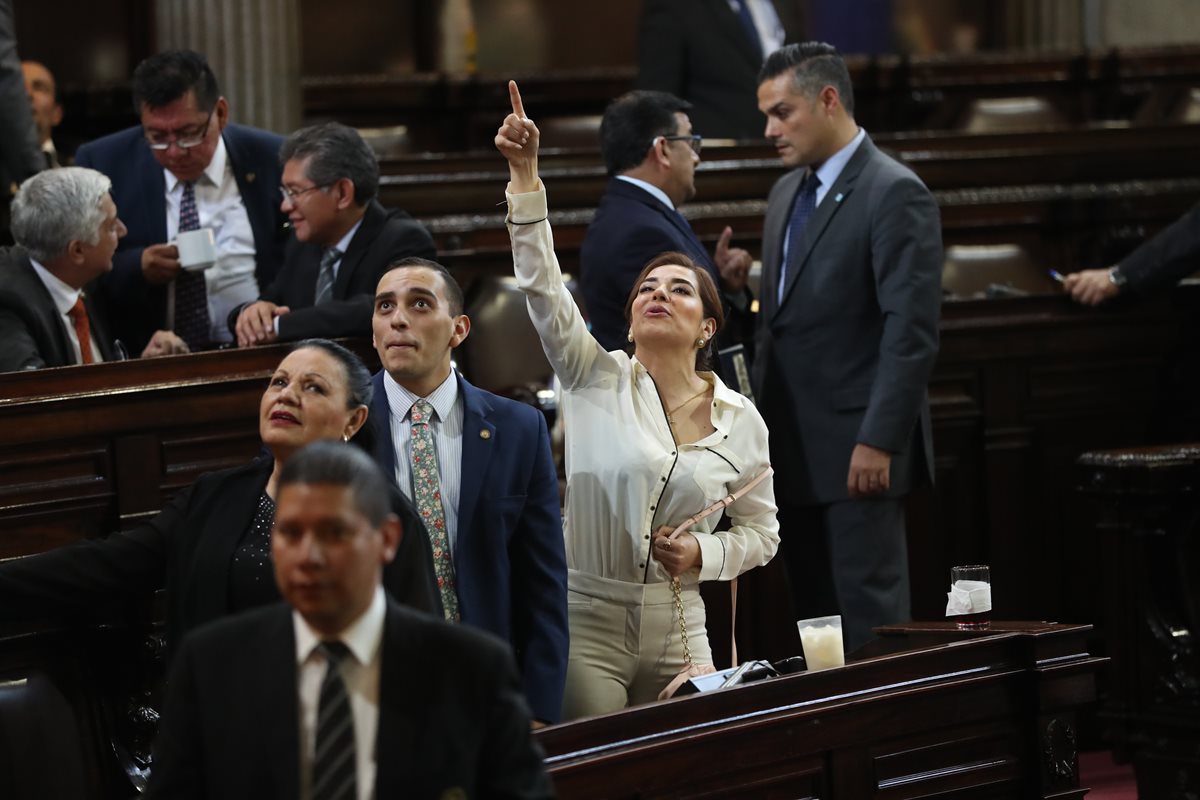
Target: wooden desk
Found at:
1146, 503
89, 450
932, 715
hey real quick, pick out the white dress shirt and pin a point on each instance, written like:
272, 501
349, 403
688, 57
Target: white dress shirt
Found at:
626, 476
447, 429
360, 671
341, 246
654, 191
230, 281
64, 298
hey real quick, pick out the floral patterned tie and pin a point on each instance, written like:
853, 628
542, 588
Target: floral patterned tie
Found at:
427, 494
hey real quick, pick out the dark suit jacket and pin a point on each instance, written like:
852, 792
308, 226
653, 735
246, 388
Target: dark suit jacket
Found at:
847, 356
509, 560
139, 190
187, 548
32, 335
1169, 256
383, 238
630, 228
450, 714
698, 50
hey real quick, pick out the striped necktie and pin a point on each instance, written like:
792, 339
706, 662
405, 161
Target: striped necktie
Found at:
325, 276
335, 766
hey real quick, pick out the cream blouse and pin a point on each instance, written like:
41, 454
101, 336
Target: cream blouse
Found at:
625, 475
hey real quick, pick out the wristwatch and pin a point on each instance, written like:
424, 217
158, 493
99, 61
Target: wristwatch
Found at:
1117, 278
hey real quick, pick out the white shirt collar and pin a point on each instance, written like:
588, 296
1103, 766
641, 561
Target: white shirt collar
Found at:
651, 188
833, 166
64, 296
363, 637
215, 171
344, 242
401, 400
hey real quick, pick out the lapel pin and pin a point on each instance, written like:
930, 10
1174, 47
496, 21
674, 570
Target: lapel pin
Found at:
839, 197
250, 176
485, 434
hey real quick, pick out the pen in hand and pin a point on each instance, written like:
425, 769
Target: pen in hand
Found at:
1053, 273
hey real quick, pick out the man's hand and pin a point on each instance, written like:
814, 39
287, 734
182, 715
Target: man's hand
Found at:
517, 140
869, 471
1091, 287
676, 555
165, 343
256, 323
732, 262
160, 263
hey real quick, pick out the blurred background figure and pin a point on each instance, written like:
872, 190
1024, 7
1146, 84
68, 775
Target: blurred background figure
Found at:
44, 105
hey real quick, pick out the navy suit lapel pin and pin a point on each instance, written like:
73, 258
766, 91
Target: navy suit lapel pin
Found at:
250, 176
485, 434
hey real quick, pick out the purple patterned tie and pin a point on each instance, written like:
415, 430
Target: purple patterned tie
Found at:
191, 294
427, 494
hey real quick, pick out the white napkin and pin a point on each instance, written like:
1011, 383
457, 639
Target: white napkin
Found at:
968, 597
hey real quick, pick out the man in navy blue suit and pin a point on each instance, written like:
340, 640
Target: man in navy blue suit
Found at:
187, 167
479, 469
651, 154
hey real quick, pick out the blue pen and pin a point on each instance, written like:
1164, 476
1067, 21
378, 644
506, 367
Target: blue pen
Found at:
1053, 273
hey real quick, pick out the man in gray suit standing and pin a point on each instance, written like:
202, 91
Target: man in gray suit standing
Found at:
846, 338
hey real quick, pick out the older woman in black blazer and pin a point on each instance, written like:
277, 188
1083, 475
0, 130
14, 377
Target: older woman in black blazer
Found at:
210, 546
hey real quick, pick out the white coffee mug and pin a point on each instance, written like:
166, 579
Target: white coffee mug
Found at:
197, 249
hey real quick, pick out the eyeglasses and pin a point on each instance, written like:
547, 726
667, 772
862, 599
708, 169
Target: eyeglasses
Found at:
295, 194
694, 140
182, 140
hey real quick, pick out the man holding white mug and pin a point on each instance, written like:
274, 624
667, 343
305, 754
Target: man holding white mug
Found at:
186, 167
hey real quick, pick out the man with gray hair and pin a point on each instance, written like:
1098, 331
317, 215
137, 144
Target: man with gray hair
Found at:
66, 228
344, 242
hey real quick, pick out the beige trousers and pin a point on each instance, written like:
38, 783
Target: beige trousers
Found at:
625, 642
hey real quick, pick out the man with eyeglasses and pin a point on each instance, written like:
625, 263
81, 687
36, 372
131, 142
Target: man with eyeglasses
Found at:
345, 242
185, 168
651, 154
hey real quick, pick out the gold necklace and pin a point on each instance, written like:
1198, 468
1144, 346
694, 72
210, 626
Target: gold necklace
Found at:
670, 412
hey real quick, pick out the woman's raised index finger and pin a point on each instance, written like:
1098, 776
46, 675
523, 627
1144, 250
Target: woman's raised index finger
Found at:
514, 94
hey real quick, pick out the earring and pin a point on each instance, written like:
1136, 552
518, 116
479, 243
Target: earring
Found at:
701, 342
345, 438
629, 336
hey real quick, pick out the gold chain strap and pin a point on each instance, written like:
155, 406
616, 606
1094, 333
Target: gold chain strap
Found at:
676, 589
683, 637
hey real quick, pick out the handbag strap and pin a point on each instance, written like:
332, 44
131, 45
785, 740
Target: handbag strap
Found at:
724, 502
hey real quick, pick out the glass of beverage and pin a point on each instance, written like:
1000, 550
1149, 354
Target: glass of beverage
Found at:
821, 638
969, 602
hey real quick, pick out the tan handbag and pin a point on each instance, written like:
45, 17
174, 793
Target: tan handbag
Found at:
692, 669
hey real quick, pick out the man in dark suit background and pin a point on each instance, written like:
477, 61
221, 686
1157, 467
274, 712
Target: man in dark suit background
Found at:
345, 241
709, 53
847, 337
344, 694
184, 167
19, 156
479, 469
651, 153
1162, 261
67, 228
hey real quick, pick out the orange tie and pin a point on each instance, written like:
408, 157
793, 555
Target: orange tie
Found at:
83, 331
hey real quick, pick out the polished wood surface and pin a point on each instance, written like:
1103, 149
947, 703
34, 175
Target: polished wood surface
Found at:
930, 714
